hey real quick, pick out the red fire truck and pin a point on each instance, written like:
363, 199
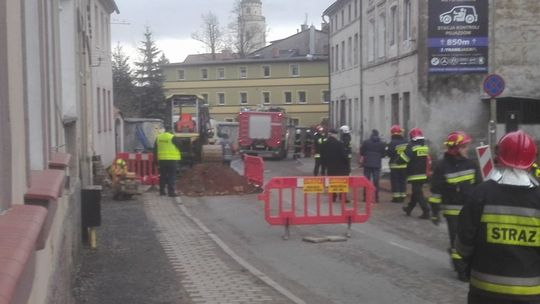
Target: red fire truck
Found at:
263, 132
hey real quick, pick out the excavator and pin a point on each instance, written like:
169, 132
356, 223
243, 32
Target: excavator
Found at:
190, 118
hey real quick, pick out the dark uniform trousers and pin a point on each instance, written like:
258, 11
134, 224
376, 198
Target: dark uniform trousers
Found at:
167, 172
475, 298
319, 167
398, 182
417, 196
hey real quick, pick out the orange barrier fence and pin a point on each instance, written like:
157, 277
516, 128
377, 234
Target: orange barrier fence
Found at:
143, 166
254, 170
310, 200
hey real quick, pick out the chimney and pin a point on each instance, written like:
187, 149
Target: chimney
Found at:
303, 27
312, 40
275, 52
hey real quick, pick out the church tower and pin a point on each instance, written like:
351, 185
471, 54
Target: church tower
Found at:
252, 25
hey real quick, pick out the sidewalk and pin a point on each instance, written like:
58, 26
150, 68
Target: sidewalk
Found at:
151, 250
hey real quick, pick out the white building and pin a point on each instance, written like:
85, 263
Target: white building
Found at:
48, 111
395, 80
252, 25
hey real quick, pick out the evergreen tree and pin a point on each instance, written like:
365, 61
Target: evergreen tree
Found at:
125, 98
149, 78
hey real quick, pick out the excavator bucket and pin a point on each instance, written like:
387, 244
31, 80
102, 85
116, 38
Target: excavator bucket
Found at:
212, 153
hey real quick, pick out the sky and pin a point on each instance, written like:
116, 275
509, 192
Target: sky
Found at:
173, 21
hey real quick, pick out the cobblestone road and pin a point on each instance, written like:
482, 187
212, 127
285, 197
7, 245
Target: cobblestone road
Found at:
206, 272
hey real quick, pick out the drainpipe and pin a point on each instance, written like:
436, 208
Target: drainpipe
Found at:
361, 62
330, 118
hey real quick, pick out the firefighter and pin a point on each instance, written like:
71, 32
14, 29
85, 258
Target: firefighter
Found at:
167, 150
346, 140
118, 171
398, 176
297, 144
308, 143
415, 157
320, 140
499, 228
452, 182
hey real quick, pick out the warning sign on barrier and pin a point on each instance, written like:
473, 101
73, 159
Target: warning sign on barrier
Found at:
338, 185
313, 185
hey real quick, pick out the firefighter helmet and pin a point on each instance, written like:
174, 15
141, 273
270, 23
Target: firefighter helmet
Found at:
345, 129
516, 150
457, 139
416, 133
396, 130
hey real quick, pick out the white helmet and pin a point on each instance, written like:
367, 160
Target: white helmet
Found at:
345, 129
298, 131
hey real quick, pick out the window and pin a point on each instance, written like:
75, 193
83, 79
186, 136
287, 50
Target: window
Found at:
337, 58
287, 97
349, 51
350, 13
406, 110
381, 35
98, 110
220, 73
371, 40
325, 96
332, 50
266, 71
109, 101
266, 97
343, 55
221, 98
181, 75
301, 97
243, 98
382, 111
355, 49
243, 72
342, 17
295, 70
204, 74
355, 9
407, 10
105, 110
393, 25
395, 109
205, 97
295, 121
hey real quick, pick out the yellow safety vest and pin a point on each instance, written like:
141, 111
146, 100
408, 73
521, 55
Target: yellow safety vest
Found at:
166, 149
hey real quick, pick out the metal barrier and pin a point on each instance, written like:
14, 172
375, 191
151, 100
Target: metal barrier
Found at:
143, 166
254, 170
311, 201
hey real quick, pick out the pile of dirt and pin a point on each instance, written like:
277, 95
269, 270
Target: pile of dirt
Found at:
210, 179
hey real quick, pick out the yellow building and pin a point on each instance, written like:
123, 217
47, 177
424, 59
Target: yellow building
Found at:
291, 73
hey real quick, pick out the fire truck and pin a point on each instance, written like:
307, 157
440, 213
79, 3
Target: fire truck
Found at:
263, 132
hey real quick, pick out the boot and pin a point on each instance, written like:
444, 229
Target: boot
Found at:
425, 215
407, 210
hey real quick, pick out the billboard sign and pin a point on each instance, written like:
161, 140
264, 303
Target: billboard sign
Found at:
458, 36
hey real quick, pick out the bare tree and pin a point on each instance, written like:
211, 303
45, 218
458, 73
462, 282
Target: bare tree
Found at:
243, 35
210, 34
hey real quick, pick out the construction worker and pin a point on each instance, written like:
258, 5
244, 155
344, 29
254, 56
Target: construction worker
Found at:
297, 144
117, 171
499, 228
346, 140
398, 176
167, 150
452, 182
320, 140
416, 156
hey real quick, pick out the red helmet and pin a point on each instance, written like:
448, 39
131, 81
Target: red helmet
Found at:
416, 133
457, 139
396, 130
516, 150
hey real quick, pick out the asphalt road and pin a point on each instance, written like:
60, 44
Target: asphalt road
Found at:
390, 259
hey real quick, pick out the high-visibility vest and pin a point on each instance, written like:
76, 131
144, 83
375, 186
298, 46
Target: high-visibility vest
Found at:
167, 150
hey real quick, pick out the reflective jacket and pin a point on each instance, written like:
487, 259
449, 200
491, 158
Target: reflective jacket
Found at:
415, 157
319, 141
396, 146
499, 232
452, 182
166, 148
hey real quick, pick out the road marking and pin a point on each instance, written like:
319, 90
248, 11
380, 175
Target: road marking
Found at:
241, 261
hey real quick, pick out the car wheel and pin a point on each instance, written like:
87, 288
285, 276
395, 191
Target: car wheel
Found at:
470, 19
446, 19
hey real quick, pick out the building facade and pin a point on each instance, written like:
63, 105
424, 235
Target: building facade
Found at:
291, 73
48, 110
395, 81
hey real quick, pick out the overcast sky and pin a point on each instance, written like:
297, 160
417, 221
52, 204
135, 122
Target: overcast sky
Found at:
173, 21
